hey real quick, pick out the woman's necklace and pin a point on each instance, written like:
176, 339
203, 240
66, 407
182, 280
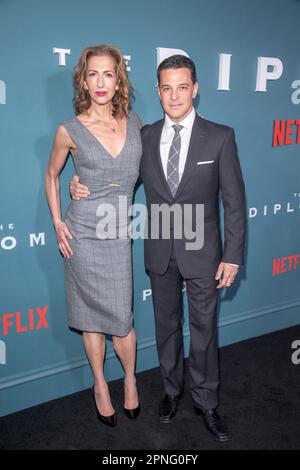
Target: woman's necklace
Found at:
113, 128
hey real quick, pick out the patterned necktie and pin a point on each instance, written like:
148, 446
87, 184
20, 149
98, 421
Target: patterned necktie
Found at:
173, 160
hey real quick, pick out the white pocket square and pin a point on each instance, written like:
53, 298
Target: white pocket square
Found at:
204, 163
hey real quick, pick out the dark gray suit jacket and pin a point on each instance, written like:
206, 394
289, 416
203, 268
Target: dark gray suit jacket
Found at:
200, 184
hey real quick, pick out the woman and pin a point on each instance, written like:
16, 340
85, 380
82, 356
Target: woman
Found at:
104, 140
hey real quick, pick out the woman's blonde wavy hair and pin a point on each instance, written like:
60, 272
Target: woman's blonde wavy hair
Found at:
122, 97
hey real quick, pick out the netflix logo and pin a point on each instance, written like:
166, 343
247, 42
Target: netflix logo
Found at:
287, 263
286, 132
33, 319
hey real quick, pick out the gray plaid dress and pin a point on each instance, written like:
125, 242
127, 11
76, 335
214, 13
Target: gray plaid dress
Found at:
98, 277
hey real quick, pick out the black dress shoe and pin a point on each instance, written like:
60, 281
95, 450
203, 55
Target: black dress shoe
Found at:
132, 414
214, 423
107, 420
168, 407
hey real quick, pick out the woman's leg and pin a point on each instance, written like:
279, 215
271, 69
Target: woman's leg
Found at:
125, 348
95, 345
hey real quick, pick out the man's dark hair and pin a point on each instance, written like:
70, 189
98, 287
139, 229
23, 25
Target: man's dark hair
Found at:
177, 62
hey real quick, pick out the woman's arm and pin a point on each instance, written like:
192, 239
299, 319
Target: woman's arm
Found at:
59, 153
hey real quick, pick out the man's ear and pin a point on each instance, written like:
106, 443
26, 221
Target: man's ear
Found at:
158, 90
195, 90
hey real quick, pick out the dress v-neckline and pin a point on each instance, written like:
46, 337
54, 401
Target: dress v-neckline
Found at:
100, 143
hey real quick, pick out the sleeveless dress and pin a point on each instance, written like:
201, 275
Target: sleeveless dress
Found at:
98, 276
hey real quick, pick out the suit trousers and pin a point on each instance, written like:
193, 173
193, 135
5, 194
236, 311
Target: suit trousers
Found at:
203, 361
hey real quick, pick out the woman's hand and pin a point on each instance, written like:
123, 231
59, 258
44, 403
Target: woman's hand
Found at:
63, 234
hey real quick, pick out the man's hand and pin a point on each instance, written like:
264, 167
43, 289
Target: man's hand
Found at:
77, 189
225, 274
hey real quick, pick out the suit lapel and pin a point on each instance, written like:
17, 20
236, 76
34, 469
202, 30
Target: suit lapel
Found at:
196, 148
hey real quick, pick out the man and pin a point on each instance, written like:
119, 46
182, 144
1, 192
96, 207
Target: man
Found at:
188, 161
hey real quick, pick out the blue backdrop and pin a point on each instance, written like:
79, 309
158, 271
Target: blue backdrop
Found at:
40, 358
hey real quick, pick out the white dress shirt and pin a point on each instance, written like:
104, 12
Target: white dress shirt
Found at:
166, 141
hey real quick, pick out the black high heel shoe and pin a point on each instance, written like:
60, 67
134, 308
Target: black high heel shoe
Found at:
132, 414
107, 420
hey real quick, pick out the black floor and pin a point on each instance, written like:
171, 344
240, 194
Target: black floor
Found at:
260, 398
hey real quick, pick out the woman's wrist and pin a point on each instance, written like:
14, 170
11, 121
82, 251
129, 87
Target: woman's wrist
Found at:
56, 221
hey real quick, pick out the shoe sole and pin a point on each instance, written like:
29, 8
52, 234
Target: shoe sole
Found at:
166, 421
220, 439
